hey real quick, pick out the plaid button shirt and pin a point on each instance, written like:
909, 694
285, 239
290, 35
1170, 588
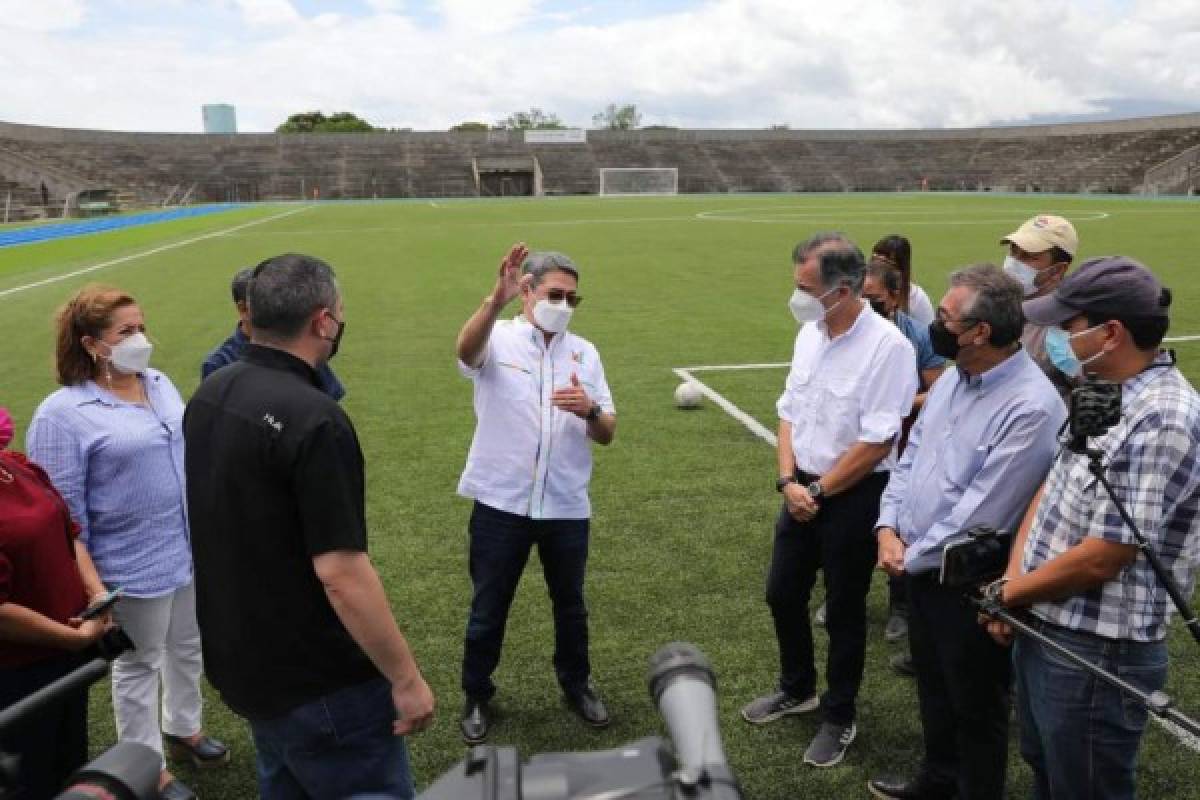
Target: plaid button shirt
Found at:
1152, 463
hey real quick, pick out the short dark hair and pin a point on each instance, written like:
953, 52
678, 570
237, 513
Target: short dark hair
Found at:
897, 250
883, 271
997, 301
840, 261
1147, 332
240, 283
1060, 255
284, 292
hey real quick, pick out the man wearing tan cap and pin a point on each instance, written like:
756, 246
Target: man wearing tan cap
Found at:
1039, 255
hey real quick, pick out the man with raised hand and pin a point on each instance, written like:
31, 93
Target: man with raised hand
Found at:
852, 383
541, 399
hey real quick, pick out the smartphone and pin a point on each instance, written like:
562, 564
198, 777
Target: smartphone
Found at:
103, 604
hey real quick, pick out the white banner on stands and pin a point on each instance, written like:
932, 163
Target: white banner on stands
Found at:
564, 136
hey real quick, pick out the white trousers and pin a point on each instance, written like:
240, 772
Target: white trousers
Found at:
167, 639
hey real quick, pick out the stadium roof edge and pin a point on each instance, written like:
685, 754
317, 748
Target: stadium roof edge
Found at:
17, 130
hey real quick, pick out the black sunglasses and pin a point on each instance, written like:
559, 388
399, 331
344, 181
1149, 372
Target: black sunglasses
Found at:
558, 295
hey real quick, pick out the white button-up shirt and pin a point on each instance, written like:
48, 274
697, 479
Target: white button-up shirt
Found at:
858, 387
528, 457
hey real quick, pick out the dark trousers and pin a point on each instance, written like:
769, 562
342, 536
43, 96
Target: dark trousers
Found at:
962, 686
500, 545
1079, 734
52, 743
840, 542
339, 745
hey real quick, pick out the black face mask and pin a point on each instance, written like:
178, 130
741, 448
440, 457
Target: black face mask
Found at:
879, 307
337, 338
945, 343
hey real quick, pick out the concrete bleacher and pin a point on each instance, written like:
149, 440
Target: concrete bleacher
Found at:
152, 168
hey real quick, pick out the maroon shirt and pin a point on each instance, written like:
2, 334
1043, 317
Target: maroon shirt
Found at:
37, 553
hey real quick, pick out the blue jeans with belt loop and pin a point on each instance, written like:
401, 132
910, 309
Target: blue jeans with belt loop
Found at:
1078, 733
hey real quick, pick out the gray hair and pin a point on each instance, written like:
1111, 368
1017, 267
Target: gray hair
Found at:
841, 262
240, 283
284, 292
541, 264
997, 301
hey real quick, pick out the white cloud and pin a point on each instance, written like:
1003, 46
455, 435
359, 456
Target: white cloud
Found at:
723, 63
268, 12
44, 15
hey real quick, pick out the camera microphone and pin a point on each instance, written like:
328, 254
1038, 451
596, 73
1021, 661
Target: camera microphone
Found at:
683, 685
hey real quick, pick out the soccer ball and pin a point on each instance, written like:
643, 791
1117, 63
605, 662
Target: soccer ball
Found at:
687, 395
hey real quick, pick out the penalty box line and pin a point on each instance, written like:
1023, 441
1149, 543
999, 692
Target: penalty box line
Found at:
1182, 736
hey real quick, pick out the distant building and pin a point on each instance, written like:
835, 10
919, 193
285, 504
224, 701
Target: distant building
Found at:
220, 118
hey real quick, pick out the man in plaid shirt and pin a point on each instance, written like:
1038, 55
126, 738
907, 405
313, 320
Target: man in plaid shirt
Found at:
1075, 563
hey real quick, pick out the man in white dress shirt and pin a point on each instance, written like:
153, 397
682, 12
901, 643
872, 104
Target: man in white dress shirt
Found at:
852, 383
540, 400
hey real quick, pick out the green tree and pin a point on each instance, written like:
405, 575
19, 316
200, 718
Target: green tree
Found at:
316, 122
471, 126
533, 119
618, 118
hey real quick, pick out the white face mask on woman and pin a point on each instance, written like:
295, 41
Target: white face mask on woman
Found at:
552, 317
132, 354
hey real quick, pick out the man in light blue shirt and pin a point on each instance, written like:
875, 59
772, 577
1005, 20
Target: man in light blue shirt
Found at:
980, 448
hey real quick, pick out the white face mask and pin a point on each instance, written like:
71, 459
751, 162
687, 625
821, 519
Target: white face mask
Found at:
132, 354
1022, 273
552, 317
807, 308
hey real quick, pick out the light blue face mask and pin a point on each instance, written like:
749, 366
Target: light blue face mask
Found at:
1062, 355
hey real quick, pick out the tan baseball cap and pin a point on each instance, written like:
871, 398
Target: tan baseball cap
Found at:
1039, 234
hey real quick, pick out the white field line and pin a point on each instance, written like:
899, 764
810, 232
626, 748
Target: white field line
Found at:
150, 252
750, 422
1185, 738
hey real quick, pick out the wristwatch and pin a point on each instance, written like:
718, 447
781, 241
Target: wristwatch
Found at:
593, 413
994, 591
815, 491
780, 483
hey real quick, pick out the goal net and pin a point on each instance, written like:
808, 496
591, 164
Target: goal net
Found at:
638, 180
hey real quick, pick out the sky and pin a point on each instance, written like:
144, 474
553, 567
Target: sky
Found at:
430, 64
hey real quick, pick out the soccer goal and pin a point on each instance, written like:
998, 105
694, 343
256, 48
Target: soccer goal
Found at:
622, 181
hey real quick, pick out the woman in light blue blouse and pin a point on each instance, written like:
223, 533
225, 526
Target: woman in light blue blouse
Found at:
112, 441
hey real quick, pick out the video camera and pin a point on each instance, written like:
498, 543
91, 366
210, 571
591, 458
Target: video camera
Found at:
128, 771
683, 685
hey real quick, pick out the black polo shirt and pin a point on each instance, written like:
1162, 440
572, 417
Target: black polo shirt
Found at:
274, 478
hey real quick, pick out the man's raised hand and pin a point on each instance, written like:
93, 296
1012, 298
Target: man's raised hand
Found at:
508, 277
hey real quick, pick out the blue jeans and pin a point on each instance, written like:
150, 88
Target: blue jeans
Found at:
500, 545
337, 746
1079, 734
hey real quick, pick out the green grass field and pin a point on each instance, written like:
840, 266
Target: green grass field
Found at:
683, 501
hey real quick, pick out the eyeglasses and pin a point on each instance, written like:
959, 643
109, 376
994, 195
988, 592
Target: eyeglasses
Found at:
943, 318
556, 296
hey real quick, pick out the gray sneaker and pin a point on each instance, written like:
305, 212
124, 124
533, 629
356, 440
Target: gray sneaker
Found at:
819, 617
773, 706
896, 628
828, 747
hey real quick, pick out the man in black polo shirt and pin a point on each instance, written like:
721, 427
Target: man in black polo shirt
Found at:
297, 632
